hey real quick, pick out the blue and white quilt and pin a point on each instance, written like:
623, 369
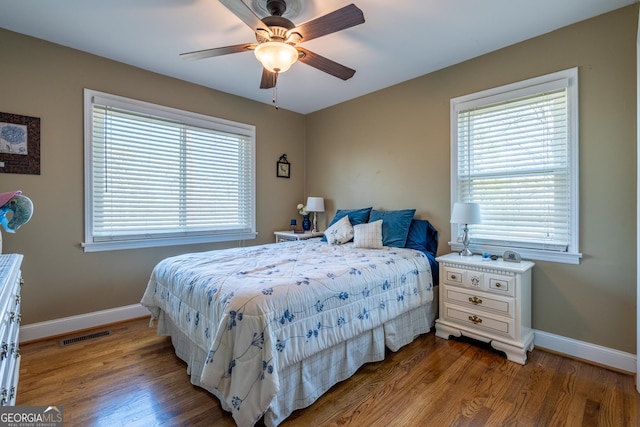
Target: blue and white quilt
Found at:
255, 310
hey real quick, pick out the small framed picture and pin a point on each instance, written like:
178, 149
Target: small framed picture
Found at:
283, 167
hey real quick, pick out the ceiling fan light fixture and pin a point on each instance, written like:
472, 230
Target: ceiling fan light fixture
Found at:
276, 57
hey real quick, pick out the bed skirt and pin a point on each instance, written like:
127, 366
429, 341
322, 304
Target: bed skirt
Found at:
304, 382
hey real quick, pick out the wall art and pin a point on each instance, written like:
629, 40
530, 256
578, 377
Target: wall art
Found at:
19, 144
283, 167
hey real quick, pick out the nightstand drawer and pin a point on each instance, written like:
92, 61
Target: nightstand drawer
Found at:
453, 276
480, 301
479, 320
501, 284
466, 278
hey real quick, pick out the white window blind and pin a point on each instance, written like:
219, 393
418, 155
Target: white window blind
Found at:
515, 156
161, 176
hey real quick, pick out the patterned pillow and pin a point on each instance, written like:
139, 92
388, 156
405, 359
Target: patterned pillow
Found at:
356, 216
368, 235
340, 232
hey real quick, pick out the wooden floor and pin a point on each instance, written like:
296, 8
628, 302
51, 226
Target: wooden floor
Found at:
133, 378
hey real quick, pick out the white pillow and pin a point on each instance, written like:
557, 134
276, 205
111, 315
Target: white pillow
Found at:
368, 235
339, 232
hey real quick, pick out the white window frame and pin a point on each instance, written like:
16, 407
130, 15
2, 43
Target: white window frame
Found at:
569, 78
93, 244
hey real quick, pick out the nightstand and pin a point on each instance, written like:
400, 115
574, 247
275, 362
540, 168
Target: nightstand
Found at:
287, 236
489, 301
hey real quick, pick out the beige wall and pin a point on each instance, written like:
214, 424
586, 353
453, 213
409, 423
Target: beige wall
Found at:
45, 80
390, 149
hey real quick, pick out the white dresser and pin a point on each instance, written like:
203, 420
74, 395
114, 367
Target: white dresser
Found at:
487, 300
10, 284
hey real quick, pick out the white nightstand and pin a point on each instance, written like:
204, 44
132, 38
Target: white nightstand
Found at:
487, 300
287, 236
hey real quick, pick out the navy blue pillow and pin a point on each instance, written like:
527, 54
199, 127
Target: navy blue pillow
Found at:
356, 216
395, 226
422, 236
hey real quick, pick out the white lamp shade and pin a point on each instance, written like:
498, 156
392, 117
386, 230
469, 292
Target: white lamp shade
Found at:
466, 213
315, 204
276, 56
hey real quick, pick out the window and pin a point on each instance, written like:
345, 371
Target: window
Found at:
515, 152
157, 176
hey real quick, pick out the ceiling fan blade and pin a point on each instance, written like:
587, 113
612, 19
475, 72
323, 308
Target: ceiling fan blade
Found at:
246, 15
218, 51
326, 65
268, 80
337, 20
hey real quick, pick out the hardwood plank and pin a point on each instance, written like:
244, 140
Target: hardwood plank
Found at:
133, 378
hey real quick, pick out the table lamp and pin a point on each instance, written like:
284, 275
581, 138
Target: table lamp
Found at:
315, 205
466, 213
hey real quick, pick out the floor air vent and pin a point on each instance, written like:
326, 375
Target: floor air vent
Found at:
80, 338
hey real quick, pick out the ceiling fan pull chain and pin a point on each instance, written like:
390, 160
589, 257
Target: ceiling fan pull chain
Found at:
275, 93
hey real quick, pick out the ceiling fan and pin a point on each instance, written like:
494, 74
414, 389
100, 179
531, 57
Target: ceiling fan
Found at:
277, 39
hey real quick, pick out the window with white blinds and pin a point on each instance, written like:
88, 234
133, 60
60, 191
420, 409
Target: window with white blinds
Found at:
515, 152
157, 176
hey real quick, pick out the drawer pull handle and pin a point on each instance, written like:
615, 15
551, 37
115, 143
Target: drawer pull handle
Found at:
475, 319
498, 285
454, 277
475, 300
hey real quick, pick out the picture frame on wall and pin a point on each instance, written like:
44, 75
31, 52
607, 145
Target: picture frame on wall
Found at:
19, 144
283, 167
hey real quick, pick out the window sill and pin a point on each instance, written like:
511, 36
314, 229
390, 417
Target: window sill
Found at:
528, 254
169, 241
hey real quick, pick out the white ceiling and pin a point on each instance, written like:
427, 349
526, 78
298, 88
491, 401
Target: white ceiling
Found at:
400, 40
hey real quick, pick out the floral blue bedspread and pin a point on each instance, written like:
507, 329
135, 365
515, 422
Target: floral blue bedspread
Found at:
256, 309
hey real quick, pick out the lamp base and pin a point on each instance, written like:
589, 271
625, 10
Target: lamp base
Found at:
465, 252
465, 241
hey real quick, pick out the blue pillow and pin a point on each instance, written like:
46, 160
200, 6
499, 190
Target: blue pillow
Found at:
422, 236
356, 216
395, 226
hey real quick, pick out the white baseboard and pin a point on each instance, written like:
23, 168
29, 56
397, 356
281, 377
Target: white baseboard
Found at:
604, 356
66, 325
579, 349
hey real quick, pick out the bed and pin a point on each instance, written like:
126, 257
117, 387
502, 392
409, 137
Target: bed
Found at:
269, 328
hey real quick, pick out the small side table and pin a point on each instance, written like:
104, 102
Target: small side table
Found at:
487, 300
287, 236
